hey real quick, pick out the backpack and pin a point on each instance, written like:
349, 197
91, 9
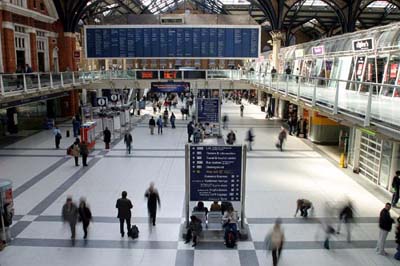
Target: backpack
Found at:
230, 239
134, 232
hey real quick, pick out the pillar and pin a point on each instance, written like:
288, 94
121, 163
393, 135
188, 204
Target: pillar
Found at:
124, 64
9, 56
33, 47
106, 64
67, 45
277, 38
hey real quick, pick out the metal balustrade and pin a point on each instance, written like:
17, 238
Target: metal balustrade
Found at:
365, 101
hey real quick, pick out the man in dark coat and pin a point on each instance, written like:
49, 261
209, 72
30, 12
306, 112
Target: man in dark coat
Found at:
128, 142
107, 137
70, 215
190, 130
153, 198
124, 206
84, 152
396, 188
85, 216
385, 226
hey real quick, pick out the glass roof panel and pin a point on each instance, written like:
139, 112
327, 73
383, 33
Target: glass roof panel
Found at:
314, 3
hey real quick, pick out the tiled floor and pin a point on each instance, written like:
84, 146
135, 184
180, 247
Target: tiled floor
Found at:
43, 177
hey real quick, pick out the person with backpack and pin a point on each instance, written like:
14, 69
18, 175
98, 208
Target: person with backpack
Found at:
152, 125
159, 125
85, 216
70, 215
230, 220
396, 188
107, 137
194, 230
153, 198
128, 142
281, 138
124, 206
275, 240
57, 137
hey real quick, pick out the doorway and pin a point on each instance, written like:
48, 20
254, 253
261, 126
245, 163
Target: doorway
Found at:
41, 62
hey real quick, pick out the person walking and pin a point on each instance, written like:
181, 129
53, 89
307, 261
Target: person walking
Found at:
172, 119
225, 121
107, 137
385, 226
250, 138
281, 138
346, 216
190, 130
241, 110
76, 124
70, 215
128, 142
194, 230
152, 125
396, 188
75, 151
165, 117
276, 240
84, 152
85, 216
303, 205
159, 125
124, 206
153, 198
57, 137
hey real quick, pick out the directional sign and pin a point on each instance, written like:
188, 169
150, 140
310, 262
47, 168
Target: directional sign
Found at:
215, 173
114, 97
102, 101
208, 110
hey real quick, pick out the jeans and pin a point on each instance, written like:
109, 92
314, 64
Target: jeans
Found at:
395, 198
230, 227
84, 159
380, 245
76, 161
72, 227
276, 254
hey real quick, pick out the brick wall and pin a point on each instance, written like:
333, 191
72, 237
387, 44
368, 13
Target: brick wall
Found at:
9, 51
34, 56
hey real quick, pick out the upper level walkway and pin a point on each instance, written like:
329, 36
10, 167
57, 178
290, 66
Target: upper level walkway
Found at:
369, 104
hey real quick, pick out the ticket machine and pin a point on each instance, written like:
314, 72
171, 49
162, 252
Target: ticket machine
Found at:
88, 134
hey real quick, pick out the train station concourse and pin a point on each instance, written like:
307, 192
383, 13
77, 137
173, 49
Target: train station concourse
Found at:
199, 132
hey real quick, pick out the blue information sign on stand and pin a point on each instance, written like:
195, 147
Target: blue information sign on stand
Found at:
215, 173
208, 110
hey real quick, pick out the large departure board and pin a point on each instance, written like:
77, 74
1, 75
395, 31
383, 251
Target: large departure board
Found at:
134, 41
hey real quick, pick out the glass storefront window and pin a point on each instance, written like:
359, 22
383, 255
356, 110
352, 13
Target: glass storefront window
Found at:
384, 175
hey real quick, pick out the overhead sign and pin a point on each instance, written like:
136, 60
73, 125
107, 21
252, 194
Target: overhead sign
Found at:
102, 101
318, 50
215, 173
114, 97
170, 86
208, 110
363, 44
177, 41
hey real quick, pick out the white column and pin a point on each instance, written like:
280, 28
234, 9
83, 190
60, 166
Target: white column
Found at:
277, 38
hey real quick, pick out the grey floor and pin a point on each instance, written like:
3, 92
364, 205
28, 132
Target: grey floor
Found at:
43, 177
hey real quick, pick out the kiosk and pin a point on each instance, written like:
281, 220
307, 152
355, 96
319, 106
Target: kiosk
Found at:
88, 134
7, 208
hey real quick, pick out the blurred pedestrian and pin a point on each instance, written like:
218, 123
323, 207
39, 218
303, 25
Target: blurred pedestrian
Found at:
84, 152
153, 198
346, 216
190, 130
165, 117
85, 216
327, 227
159, 125
128, 142
107, 137
225, 121
124, 206
152, 125
231, 138
241, 110
385, 226
303, 205
275, 240
281, 138
172, 119
396, 188
250, 138
70, 215
57, 137
194, 230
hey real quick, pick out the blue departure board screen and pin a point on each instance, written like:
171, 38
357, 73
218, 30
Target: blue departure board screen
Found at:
172, 42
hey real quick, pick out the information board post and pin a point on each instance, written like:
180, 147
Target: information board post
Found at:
187, 183
243, 200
